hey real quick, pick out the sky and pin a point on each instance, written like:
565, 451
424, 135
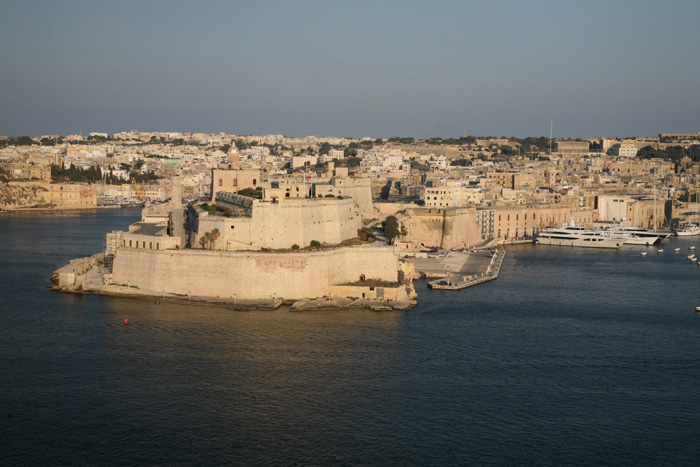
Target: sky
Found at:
351, 68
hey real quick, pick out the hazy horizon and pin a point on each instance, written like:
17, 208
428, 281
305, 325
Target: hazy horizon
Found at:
351, 69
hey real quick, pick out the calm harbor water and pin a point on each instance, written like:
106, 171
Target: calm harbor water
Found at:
571, 357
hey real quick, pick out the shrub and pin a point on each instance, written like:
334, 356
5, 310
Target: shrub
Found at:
295, 247
315, 244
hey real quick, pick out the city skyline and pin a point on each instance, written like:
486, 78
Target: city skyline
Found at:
351, 70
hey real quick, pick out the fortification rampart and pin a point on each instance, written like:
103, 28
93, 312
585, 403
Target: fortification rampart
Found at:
281, 225
251, 275
445, 228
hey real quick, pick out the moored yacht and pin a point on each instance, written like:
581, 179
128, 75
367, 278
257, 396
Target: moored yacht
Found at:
637, 235
688, 229
576, 235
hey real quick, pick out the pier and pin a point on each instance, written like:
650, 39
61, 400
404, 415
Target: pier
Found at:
462, 282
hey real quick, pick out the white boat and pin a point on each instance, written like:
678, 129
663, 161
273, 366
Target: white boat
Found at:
578, 236
688, 229
643, 253
637, 235
677, 250
659, 250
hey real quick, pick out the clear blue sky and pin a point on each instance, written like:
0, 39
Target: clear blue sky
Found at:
351, 68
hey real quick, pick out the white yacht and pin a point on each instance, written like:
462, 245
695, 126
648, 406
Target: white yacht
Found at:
576, 235
637, 235
688, 229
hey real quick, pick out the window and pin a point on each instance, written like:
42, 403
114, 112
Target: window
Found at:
129, 243
221, 182
255, 182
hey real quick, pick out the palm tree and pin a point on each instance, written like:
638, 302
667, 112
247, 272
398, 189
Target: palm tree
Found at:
215, 234
205, 239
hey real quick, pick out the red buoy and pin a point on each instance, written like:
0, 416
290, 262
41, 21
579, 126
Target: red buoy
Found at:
126, 321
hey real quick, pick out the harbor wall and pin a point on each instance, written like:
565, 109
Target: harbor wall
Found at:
442, 227
26, 194
250, 274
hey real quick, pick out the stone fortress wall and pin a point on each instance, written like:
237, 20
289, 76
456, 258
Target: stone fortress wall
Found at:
281, 225
441, 227
251, 274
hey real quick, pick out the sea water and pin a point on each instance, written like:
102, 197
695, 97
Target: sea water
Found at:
571, 357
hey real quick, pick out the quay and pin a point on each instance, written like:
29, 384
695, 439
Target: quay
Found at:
462, 282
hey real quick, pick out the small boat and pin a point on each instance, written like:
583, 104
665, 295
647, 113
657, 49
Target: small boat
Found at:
688, 229
697, 309
676, 250
691, 248
126, 321
660, 250
643, 253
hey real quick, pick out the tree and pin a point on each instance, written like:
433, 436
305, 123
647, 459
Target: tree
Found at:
215, 234
391, 228
204, 240
507, 150
315, 244
325, 147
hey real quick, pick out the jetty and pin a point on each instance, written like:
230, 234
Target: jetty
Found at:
462, 282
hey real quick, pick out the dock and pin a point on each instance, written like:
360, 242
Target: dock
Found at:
462, 282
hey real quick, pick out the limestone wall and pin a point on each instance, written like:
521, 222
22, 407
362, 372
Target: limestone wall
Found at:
73, 195
444, 228
15, 195
251, 275
281, 225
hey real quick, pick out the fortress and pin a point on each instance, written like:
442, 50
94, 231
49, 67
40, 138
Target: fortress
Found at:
248, 253
260, 224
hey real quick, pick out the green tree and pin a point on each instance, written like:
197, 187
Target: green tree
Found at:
215, 235
325, 147
391, 228
507, 150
